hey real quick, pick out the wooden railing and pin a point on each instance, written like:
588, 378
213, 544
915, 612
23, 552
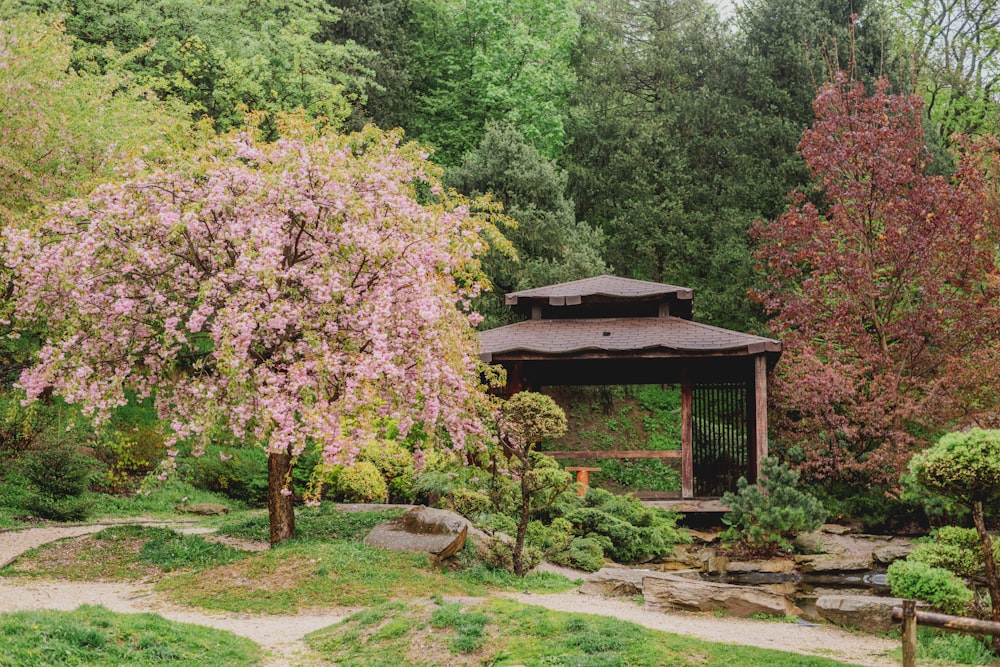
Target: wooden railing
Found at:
662, 454
910, 617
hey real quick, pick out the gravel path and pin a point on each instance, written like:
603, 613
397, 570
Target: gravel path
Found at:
282, 636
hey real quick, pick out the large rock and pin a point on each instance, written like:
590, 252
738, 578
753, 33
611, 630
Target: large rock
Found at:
437, 532
661, 593
890, 553
834, 563
865, 612
775, 566
624, 581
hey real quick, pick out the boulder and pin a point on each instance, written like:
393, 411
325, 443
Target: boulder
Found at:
809, 543
438, 532
666, 592
774, 566
865, 612
890, 553
833, 563
624, 581
835, 529
203, 509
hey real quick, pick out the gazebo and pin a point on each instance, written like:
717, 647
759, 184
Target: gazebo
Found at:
619, 331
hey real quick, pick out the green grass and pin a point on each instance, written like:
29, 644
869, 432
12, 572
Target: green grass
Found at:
302, 574
504, 632
311, 523
160, 501
122, 553
96, 637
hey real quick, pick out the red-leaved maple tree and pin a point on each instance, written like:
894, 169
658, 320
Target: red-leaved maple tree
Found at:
883, 287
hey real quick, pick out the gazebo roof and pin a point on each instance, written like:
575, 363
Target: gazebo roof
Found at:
643, 337
572, 292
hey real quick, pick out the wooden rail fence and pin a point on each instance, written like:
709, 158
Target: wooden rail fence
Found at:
910, 617
582, 476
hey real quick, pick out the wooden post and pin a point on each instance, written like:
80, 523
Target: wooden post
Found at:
687, 437
909, 633
760, 413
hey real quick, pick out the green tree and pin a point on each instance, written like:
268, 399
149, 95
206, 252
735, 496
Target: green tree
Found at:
523, 422
481, 60
62, 130
954, 48
672, 148
551, 245
224, 56
966, 466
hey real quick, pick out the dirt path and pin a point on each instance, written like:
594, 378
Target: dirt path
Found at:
282, 636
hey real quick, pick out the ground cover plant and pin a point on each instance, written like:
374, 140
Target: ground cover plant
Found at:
504, 632
92, 636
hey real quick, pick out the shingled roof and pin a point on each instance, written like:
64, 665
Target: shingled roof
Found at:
602, 337
609, 286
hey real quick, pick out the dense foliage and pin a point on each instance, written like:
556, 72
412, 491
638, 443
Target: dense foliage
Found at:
764, 517
883, 292
965, 466
292, 294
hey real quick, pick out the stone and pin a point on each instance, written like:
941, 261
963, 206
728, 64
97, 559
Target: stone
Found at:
809, 543
625, 581
203, 509
835, 529
865, 612
773, 566
833, 563
890, 553
704, 537
665, 592
438, 532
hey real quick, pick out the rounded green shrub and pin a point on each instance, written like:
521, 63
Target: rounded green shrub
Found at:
934, 585
955, 549
469, 503
362, 483
395, 463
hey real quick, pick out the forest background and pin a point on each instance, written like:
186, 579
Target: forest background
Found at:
643, 138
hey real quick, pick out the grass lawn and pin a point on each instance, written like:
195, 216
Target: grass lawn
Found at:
96, 637
504, 632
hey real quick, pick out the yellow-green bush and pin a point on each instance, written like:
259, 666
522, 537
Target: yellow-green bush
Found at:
362, 483
395, 464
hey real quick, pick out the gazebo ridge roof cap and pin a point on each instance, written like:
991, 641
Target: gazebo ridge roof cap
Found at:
607, 286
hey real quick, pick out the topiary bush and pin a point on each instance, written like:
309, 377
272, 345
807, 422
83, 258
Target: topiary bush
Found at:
362, 483
934, 585
955, 549
764, 517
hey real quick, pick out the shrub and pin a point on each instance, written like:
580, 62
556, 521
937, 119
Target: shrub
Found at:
584, 554
395, 464
470, 504
242, 477
763, 518
362, 483
934, 585
60, 477
627, 530
955, 549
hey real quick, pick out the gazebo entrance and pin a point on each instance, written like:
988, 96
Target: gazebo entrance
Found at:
618, 331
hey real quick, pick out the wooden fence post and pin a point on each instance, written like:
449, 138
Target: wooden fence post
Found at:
909, 633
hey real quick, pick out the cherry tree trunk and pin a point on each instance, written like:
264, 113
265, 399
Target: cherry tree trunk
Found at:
280, 510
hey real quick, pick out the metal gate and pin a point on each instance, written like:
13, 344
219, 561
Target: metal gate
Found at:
720, 436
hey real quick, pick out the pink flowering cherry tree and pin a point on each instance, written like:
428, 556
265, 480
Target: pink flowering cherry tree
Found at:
311, 292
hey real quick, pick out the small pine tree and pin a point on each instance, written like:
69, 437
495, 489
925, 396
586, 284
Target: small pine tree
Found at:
763, 517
